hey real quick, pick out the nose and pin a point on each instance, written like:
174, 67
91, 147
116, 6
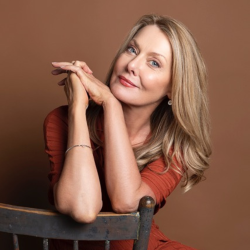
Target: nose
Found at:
134, 65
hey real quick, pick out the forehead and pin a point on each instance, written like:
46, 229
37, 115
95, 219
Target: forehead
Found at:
152, 38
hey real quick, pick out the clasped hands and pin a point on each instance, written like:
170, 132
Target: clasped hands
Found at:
80, 82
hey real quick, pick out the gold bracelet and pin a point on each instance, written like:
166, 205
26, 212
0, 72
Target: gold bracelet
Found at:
80, 145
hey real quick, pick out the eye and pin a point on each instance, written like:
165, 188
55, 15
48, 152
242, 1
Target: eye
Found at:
131, 49
154, 64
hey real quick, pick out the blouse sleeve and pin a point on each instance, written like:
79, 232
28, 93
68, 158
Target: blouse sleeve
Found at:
162, 184
55, 136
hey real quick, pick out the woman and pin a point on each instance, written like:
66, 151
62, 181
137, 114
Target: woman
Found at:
142, 131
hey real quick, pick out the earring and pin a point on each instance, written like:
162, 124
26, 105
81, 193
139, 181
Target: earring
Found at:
170, 102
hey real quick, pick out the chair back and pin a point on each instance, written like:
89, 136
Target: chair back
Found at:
49, 224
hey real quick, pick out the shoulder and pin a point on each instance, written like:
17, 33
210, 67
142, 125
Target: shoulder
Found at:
58, 113
56, 124
58, 116
161, 180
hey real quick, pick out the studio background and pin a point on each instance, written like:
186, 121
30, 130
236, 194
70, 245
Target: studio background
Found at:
215, 214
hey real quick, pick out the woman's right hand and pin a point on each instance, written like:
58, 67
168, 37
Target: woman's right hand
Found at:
75, 92
98, 91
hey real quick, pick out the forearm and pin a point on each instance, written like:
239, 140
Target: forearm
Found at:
123, 178
78, 191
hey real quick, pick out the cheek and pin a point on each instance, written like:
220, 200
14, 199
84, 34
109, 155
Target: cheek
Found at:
118, 63
119, 68
111, 79
168, 82
114, 73
153, 79
158, 82
121, 63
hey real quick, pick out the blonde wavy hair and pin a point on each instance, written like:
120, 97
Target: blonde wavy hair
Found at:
180, 133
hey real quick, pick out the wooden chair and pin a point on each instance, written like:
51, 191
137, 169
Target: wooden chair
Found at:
48, 224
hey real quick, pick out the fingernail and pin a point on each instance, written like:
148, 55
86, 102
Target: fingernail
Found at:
56, 71
61, 83
62, 67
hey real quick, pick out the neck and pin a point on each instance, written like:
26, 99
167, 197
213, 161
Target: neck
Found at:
137, 122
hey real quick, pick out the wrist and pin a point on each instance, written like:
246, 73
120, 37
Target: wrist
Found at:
76, 110
110, 102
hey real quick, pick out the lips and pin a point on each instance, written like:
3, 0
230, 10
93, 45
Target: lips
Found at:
125, 82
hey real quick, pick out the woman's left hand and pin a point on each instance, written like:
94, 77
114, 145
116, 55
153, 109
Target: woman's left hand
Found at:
98, 92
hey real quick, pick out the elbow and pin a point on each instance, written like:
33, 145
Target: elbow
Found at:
124, 207
78, 213
83, 217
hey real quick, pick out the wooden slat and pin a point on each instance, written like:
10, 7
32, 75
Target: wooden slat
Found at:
51, 212
48, 224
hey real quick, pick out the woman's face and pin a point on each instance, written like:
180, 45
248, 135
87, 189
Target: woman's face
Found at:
142, 73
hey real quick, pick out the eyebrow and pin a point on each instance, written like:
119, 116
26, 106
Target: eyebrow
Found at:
154, 53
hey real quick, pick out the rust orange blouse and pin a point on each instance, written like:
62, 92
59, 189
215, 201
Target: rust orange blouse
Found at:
56, 133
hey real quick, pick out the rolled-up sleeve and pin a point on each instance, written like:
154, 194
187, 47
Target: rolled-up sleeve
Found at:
162, 184
55, 136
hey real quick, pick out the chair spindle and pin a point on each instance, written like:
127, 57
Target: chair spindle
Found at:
15, 242
107, 245
45, 244
76, 245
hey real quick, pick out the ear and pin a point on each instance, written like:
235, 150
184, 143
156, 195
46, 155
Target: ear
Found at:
169, 90
169, 94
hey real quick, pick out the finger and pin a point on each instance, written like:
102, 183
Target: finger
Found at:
58, 71
62, 82
59, 64
87, 69
81, 64
73, 68
83, 76
84, 66
66, 92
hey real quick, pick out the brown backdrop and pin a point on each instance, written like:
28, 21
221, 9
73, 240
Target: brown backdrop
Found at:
215, 214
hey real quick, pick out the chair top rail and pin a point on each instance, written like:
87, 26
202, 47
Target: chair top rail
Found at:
54, 212
51, 224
